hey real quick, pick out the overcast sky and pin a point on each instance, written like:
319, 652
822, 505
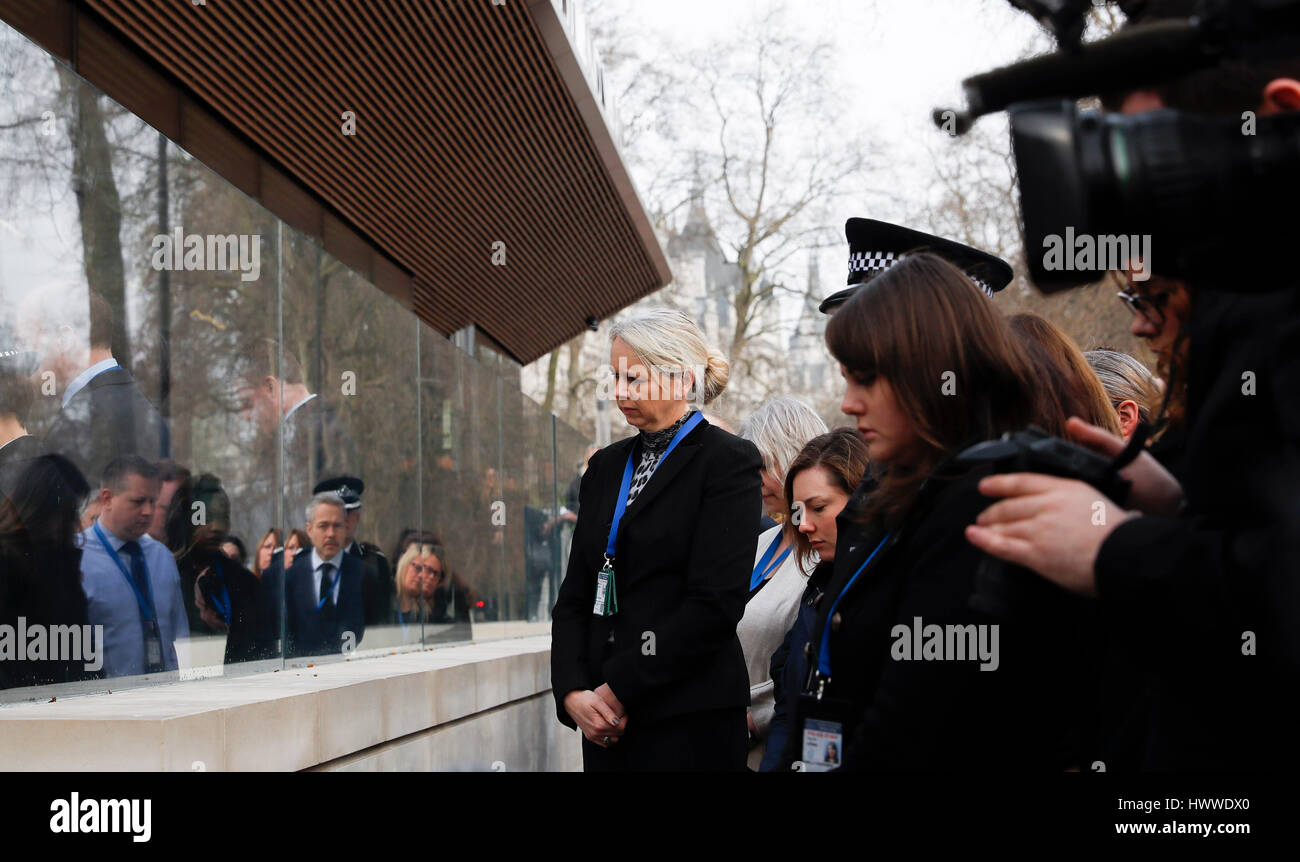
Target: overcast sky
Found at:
895, 60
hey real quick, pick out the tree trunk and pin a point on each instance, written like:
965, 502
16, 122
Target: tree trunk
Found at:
573, 378
552, 365
100, 210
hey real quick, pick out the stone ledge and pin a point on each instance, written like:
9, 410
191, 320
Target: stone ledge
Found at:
278, 721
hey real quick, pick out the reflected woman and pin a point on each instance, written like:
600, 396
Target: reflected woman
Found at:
297, 542
645, 661
408, 606
266, 551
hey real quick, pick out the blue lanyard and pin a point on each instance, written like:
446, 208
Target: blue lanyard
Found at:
761, 570
824, 657
146, 607
222, 602
621, 505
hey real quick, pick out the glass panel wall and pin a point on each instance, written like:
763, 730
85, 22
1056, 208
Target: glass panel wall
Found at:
222, 450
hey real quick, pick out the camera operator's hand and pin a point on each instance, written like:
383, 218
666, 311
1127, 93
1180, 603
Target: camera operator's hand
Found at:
206, 612
1154, 489
1051, 525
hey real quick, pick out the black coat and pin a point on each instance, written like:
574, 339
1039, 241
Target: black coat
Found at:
1179, 595
322, 632
920, 715
252, 633
14, 458
41, 583
789, 667
376, 582
109, 417
683, 561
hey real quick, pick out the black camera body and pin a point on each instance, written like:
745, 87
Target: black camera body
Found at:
1162, 192
1033, 450
1207, 200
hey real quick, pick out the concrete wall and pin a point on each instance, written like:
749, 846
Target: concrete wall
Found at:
480, 706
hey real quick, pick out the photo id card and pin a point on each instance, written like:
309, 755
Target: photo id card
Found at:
153, 652
822, 743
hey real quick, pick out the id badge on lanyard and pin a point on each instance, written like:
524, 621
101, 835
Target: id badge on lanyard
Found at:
153, 658
821, 719
821, 724
606, 597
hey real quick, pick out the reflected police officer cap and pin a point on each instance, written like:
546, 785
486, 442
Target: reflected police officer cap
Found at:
875, 246
350, 488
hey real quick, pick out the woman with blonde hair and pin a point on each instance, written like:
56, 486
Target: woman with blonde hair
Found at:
412, 571
645, 661
780, 429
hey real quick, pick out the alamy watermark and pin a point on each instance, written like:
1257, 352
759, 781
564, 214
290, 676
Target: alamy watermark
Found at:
130, 816
212, 252
933, 642
38, 642
1085, 252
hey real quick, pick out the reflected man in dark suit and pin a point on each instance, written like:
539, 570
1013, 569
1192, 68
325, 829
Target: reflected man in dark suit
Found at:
103, 412
273, 392
325, 603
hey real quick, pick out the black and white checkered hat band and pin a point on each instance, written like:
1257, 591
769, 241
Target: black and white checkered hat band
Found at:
870, 261
876, 261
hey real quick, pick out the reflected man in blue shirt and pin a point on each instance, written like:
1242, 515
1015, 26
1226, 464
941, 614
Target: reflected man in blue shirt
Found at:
132, 587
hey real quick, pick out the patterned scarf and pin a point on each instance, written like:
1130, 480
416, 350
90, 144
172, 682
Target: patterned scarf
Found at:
653, 444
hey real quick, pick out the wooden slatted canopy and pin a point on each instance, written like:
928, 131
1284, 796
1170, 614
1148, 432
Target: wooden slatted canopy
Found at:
474, 125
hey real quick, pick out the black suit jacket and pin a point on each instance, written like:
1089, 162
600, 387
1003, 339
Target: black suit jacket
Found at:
683, 560
109, 417
377, 582
321, 632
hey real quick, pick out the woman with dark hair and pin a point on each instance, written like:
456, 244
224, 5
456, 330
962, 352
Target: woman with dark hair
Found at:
1072, 386
40, 564
265, 553
233, 547
221, 596
922, 657
297, 542
819, 485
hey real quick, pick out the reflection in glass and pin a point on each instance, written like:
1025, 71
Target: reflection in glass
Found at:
149, 308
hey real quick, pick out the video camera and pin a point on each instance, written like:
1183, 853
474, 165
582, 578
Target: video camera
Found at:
1206, 192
